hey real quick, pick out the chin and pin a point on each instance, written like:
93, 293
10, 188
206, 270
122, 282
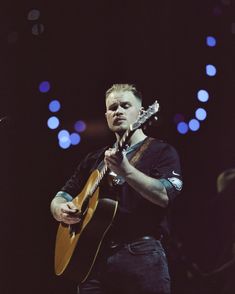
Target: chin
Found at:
120, 129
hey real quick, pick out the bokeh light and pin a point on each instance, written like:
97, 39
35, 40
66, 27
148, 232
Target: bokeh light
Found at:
53, 122
182, 128
194, 125
210, 70
44, 87
54, 106
201, 114
211, 41
64, 144
80, 126
75, 138
63, 134
203, 95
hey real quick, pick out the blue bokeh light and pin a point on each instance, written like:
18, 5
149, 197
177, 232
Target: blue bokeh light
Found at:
54, 106
75, 138
211, 41
201, 114
64, 144
211, 70
182, 128
44, 87
203, 95
194, 125
53, 122
80, 126
63, 134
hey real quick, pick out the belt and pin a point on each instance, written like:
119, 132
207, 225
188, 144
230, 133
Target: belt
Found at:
116, 244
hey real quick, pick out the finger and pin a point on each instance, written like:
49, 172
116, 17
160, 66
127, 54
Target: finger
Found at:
66, 216
72, 206
69, 211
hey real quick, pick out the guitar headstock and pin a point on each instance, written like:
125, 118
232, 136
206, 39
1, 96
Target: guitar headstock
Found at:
146, 116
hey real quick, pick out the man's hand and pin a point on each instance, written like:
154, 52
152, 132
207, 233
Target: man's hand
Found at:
65, 212
117, 162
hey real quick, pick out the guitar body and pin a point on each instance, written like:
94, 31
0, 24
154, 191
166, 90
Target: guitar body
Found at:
77, 246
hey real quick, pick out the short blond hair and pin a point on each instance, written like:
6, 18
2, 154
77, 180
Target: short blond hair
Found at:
124, 88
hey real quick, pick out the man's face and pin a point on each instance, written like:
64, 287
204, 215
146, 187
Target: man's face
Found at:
122, 109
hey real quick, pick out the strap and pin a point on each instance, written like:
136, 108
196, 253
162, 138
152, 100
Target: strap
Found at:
140, 151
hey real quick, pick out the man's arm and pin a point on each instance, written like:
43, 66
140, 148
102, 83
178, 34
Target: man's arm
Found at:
150, 188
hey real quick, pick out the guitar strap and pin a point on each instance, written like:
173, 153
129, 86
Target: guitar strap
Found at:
140, 151
134, 158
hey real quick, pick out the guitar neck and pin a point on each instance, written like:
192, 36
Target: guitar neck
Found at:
121, 145
125, 139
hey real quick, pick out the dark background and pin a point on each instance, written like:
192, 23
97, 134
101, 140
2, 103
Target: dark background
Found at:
85, 47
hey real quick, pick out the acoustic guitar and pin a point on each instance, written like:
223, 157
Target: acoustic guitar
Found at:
77, 246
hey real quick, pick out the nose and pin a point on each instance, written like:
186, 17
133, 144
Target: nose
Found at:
119, 110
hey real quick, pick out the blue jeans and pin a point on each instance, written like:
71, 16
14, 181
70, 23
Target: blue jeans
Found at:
138, 267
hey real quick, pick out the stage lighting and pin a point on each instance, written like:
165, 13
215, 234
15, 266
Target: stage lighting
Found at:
54, 106
211, 41
210, 70
75, 138
203, 95
44, 87
80, 126
201, 114
182, 128
194, 125
53, 122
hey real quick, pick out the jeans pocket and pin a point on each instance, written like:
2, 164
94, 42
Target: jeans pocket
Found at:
145, 247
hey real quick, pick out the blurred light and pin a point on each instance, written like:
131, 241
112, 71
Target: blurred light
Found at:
53, 122
182, 128
33, 14
203, 95
64, 145
210, 70
178, 118
63, 134
201, 114
44, 87
80, 126
75, 138
37, 29
194, 125
211, 41
54, 106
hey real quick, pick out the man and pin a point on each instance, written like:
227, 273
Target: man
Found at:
132, 258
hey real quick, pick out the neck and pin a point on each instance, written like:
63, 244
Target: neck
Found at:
135, 138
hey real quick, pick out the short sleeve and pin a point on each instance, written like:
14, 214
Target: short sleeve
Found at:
167, 169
